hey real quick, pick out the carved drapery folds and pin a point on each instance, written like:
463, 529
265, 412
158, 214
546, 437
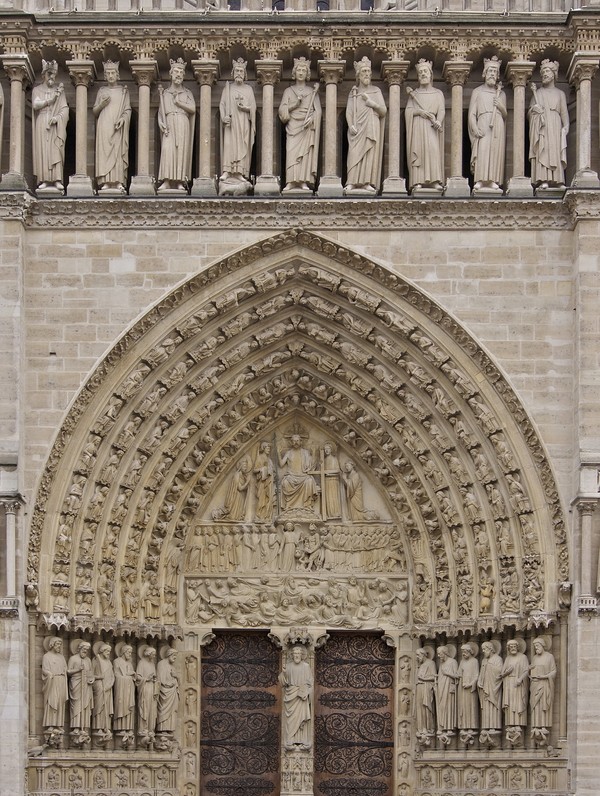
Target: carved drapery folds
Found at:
379, 152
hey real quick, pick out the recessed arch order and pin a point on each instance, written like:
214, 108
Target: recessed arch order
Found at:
298, 331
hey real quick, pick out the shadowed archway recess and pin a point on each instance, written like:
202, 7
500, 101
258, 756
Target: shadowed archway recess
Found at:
298, 329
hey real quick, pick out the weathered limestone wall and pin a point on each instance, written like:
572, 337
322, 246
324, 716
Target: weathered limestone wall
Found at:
514, 290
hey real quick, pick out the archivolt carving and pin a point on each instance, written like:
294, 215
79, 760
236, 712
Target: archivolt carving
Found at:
298, 330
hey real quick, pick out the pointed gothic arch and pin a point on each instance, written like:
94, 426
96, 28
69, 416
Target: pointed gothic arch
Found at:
298, 328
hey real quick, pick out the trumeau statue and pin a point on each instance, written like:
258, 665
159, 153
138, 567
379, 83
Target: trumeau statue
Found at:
425, 111
300, 112
176, 114
238, 131
548, 129
50, 117
112, 110
297, 682
54, 689
365, 114
487, 115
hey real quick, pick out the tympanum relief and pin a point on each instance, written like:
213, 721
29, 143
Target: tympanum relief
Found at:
294, 512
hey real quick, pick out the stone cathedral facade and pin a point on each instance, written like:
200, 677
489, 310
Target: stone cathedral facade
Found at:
299, 455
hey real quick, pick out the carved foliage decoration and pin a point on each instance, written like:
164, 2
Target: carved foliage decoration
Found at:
328, 339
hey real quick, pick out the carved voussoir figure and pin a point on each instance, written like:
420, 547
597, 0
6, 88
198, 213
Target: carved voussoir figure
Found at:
112, 110
176, 115
238, 131
50, 117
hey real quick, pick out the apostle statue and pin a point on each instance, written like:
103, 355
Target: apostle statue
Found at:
297, 682
81, 697
514, 678
542, 673
489, 685
424, 114
124, 696
448, 678
467, 707
425, 692
50, 117
54, 689
238, 131
176, 115
365, 114
487, 116
548, 128
264, 474
168, 692
147, 693
104, 678
298, 487
112, 110
300, 112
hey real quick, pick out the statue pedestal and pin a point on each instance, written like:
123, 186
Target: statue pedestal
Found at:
488, 190
80, 185
550, 191
519, 187
330, 188
13, 181
394, 186
457, 187
266, 185
584, 178
142, 186
204, 186
49, 190
427, 191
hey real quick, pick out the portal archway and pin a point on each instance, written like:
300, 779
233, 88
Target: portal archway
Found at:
294, 438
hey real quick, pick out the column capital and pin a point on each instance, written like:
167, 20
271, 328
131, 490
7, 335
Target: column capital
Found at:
268, 71
394, 72
11, 504
519, 72
331, 71
586, 506
457, 72
18, 67
83, 73
144, 71
582, 67
206, 71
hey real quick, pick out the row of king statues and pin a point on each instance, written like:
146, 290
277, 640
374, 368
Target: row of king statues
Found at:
300, 113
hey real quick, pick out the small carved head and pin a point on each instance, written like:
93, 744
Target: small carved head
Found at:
177, 68
303, 65
425, 67
49, 67
362, 67
239, 68
55, 644
491, 65
83, 648
110, 67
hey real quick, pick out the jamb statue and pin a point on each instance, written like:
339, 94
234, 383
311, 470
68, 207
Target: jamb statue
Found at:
49, 120
297, 682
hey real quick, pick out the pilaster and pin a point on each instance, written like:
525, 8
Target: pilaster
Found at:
268, 72
330, 184
456, 74
206, 73
82, 75
518, 73
145, 72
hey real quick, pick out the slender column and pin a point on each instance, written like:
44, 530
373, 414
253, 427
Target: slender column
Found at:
394, 72
206, 73
268, 72
330, 184
581, 71
10, 509
586, 510
456, 74
519, 72
82, 74
145, 72
19, 70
